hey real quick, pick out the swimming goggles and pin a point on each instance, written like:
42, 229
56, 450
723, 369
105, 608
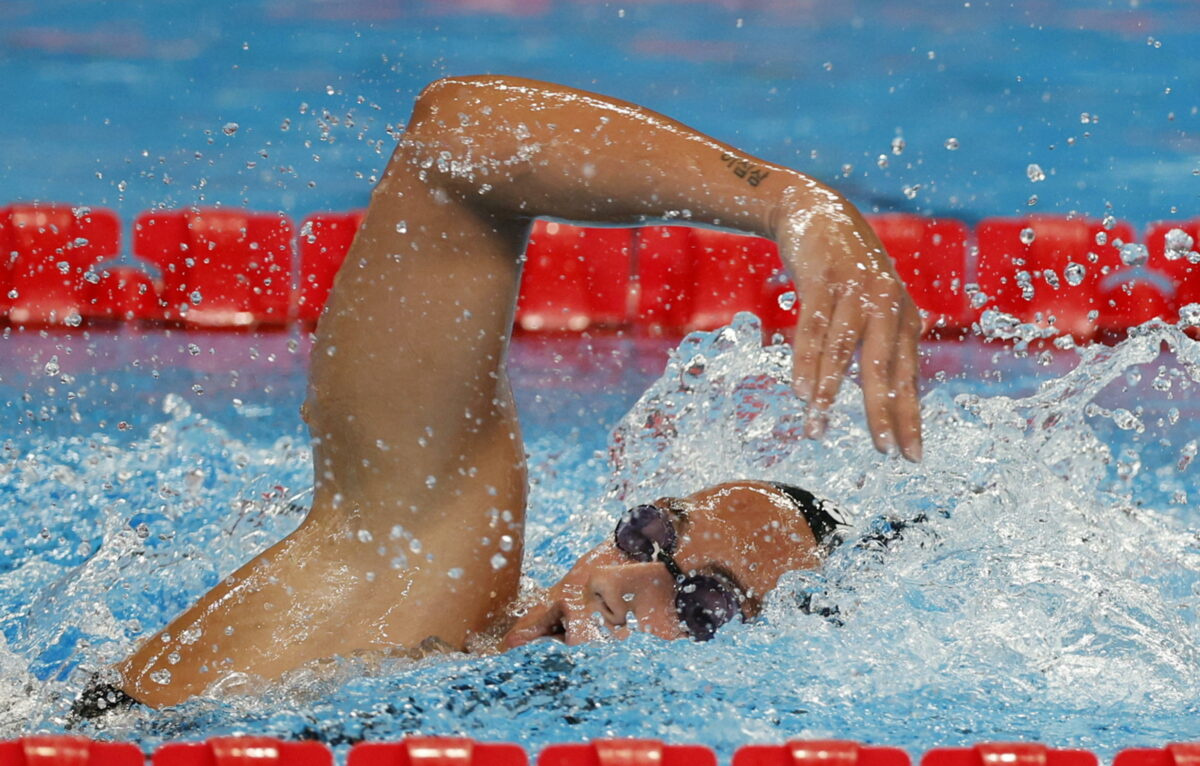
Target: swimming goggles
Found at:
704, 602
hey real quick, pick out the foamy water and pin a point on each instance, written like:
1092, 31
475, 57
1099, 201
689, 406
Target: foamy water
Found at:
1048, 588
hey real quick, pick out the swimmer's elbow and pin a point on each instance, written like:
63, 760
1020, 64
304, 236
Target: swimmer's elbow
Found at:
441, 101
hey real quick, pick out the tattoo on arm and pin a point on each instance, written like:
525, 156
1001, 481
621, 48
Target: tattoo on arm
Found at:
753, 174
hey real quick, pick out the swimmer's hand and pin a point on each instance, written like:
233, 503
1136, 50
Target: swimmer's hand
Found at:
850, 294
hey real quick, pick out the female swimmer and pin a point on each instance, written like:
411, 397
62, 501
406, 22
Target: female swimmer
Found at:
413, 426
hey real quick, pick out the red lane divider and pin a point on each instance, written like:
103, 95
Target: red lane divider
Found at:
123, 293
242, 751
819, 753
62, 750
436, 751
1007, 754
68, 751
732, 273
627, 752
1179, 754
663, 296
1040, 267
931, 258
1180, 262
51, 251
325, 238
575, 277
220, 267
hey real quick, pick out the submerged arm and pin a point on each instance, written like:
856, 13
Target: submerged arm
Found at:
521, 148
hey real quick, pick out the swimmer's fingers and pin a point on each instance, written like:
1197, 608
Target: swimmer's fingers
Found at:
817, 301
878, 359
841, 339
906, 405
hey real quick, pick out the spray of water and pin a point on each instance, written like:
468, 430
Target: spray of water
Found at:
1037, 576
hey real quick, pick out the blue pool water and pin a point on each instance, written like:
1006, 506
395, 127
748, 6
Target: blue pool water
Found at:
1051, 595
128, 103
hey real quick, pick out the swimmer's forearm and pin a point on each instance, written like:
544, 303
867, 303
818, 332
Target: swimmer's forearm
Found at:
526, 148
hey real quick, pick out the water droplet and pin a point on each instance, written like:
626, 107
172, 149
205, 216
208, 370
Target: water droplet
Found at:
952, 144
161, 677
1074, 273
430, 481
787, 300
506, 543
193, 349
1134, 254
195, 297
230, 128
91, 278
401, 227
52, 367
898, 146
414, 545
910, 192
455, 574
1035, 173
979, 299
1028, 235
1178, 244
882, 161
1189, 315
365, 536
1109, 222
498, 561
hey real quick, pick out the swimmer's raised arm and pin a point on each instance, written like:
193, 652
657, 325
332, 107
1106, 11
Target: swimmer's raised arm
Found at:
417, 520
511, 147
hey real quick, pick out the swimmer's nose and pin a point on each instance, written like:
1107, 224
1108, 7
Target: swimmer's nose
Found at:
645, 589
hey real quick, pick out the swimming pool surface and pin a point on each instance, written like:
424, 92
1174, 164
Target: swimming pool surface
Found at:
293, 105
1051, 594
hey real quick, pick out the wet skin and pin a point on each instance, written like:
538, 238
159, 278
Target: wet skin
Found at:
748, 532
418, 460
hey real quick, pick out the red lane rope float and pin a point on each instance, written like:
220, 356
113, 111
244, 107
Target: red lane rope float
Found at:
242, 751
819, 753
220, 267
223, 268
1007, 754
1179, 754
324, 240
1180, 263
436, 751
662, 295
575, 278
51, 253
1044, 267
931, 258
627, 752
68, 751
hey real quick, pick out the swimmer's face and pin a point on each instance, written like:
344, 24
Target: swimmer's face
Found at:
746, 532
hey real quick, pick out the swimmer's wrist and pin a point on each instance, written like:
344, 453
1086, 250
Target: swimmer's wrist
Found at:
796, 194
